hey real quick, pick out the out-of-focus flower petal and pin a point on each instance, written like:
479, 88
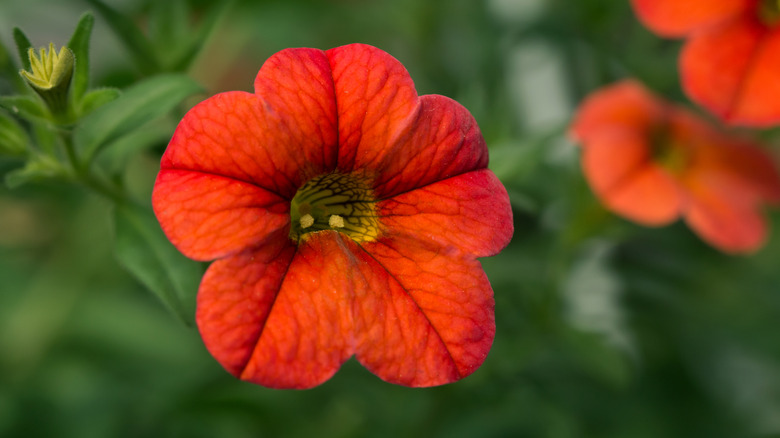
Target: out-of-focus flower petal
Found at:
619, 168
249, 136
627, 105
732, 71
427, 316
208, 216
673, 18
720, 217
469, 212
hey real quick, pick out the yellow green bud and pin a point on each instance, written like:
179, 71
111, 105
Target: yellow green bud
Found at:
51, 75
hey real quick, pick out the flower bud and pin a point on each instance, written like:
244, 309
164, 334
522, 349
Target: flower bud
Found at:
50, 76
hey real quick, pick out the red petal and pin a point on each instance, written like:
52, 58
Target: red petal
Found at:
732, 71
276, 139
208, 216
680, 17
426, 317
376, 103
281, 323
235, 298
470, 212
444, 141
626, 105
618, 167
730, 223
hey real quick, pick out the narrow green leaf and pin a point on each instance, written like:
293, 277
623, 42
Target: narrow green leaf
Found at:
39, 168
131, 36
138, 104
13, 140
23, 45
79, 45
9, 69
187, 54
26, 107
142, 248
158, 132
97, 98
168, 22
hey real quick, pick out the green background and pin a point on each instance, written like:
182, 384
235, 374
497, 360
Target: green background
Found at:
604, 328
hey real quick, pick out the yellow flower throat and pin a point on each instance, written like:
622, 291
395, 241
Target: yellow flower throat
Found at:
335, 201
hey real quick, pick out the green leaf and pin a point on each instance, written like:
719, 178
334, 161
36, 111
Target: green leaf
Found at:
116, 155
79, 45
187, 54
39, 168
9, 69
23, 45
13, 140
97, 98
138, 104
131, 36
168, 22
142, 248
26, 107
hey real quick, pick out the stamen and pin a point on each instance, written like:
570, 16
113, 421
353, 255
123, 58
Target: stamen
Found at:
307, 220
336, 221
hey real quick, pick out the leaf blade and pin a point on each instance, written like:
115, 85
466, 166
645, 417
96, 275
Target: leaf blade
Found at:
142, 248
137, 105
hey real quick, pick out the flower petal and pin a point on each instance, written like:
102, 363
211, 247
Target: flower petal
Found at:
444, 141
732, 71
470, 212
680, 17
727, 222
281, 318
427, 316
626, 105
208, 216
376, 103
249, 136
618, 167
234, 300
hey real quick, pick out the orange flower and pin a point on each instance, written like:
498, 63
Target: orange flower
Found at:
346, 214
653, 162
731, 61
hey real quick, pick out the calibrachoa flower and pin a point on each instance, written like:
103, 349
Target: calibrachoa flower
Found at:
731, 61
653, 162
346, 215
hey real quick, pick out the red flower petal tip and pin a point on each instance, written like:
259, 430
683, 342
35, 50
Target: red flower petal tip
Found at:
653, 162
730, 62
345, 214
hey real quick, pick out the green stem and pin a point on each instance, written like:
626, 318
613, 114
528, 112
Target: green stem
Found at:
83, 175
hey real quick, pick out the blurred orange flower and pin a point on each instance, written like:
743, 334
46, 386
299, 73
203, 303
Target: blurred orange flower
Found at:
653, 162
731, 61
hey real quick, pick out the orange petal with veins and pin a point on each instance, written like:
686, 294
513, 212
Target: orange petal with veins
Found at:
209, 216
426, 317
469, 212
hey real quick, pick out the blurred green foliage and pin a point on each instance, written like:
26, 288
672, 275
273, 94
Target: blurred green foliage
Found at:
605, 329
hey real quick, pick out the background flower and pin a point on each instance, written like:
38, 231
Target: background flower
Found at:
653, 162
731, 56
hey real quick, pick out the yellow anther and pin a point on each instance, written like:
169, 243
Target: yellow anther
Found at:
307, 220
336, 221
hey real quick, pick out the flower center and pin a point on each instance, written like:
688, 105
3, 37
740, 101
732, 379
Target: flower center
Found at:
769, 12
669, 153
335, 201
